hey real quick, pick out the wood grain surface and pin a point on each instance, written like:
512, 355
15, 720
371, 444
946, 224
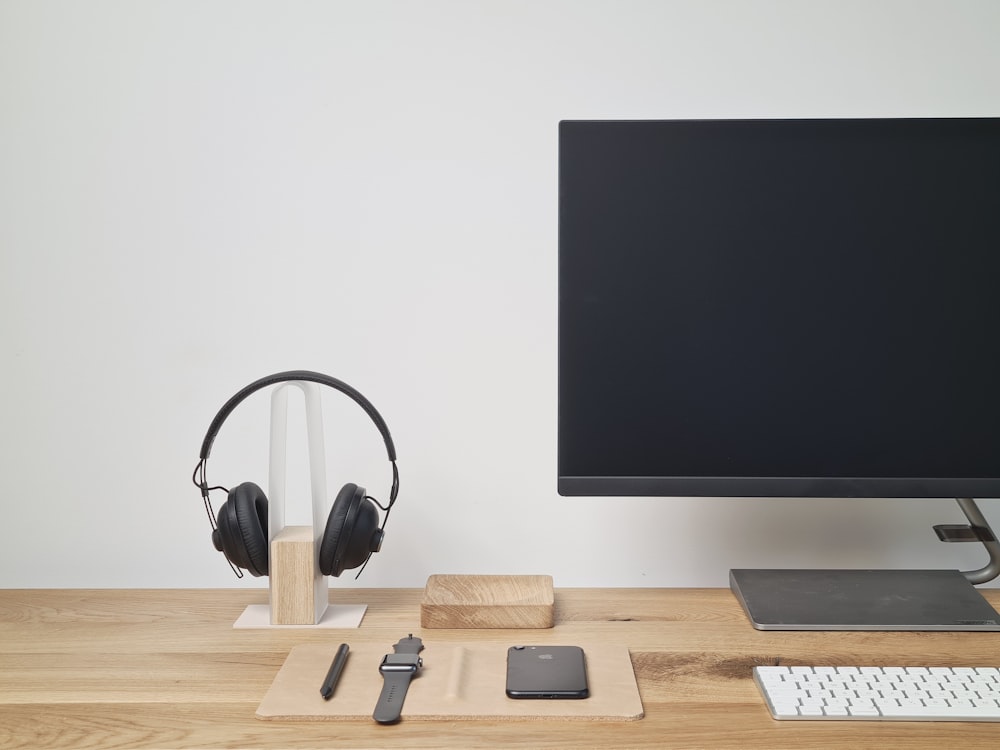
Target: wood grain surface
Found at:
165, 669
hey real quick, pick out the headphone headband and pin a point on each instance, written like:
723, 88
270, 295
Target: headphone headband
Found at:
291, 375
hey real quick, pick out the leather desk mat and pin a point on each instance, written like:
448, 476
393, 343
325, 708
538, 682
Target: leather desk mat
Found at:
459, 681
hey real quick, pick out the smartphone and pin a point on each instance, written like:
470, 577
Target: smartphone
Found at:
546, 672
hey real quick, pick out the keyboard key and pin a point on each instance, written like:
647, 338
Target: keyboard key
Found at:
936, 713
866, 711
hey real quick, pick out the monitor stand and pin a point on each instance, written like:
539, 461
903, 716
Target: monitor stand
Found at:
862, 600
875, 599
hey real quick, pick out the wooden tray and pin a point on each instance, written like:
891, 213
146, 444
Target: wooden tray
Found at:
474, 601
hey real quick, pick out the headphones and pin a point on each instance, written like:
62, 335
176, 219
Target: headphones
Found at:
352, 530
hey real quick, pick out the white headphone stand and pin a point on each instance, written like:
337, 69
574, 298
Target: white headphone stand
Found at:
298, 593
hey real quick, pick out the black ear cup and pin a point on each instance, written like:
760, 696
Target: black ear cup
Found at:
351, 534
242, 529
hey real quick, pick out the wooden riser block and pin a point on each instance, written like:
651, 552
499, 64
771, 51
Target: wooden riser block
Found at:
298, 591
470, 601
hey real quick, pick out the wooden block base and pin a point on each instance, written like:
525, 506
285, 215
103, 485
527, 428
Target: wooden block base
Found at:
469, 601
299, 594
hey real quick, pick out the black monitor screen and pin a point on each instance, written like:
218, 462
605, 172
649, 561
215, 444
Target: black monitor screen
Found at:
780, 308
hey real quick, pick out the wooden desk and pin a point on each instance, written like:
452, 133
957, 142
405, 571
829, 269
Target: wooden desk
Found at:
165, 669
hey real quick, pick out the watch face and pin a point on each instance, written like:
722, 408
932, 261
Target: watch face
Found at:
401, 663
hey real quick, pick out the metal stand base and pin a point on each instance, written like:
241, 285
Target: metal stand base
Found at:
862, 600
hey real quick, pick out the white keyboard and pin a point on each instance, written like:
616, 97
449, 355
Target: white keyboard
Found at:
881, 693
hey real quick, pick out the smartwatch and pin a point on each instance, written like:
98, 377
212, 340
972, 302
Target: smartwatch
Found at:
397, 669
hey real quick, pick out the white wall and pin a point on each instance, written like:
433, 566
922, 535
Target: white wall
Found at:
196, 194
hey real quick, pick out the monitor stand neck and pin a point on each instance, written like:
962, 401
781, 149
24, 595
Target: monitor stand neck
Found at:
978, 531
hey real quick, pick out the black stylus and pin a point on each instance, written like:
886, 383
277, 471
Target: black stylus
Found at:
333, 675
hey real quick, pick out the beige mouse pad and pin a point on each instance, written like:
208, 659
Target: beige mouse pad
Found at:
458, 681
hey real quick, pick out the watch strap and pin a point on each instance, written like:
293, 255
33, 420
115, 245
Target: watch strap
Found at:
397, 670
390, 700
408, 645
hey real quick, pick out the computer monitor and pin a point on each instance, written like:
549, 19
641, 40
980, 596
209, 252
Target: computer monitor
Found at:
785, 308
